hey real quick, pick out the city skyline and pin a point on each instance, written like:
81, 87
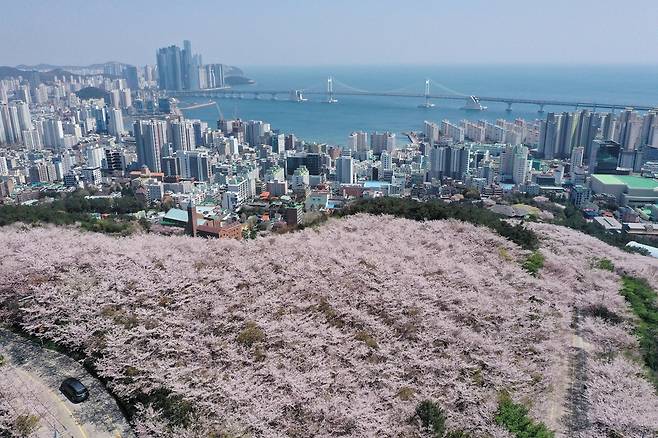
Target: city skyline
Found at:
336, 33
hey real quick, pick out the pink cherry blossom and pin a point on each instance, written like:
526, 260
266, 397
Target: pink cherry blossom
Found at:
352, 316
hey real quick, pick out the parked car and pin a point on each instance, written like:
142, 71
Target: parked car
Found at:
74, 390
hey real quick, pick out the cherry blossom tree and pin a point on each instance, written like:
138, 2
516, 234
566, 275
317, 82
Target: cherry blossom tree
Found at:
336, 331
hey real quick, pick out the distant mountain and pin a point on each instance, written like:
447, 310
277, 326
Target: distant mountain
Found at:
8, 72
49, 75
47, 67
12, 72
40, 67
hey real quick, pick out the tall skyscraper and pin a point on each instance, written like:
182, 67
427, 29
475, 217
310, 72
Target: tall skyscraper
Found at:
431, 132
132, 79
24, 116
3, 134
15, 123
590, 131
186, 64
604, 156
32, 140
358, 141
568, 134
181, 135
115, 98
459, 161
100, 114
382, 142
577, 155
453, 131
345, 170
520, 165
195, 72
514, 164
170, 76
126, 98
150, 137
548, 136
53, 133
255, 130
10, 136
4, 98
115, 123
387, 161
213, 75
194, 164
178, 69
437, 160
95, 156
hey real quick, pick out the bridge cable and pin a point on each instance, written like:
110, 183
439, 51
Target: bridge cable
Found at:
411, 88
349, 87
444, 88
314, 87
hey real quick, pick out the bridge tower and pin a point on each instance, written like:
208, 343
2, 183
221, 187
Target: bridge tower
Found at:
330, 90
427, 103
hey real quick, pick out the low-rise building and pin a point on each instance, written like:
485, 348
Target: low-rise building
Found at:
627, 189
580, 196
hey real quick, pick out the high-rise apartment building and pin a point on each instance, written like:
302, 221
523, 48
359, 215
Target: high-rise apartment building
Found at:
181, 135
514, 164
150, 137
178, 69
170, 75
358, 141
345, 170
385, 141
132, 79
115, 123
194, 164
577, 155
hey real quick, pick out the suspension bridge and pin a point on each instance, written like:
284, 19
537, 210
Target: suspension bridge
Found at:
335, 89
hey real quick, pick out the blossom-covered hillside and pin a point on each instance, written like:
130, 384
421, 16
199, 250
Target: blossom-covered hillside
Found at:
340, 331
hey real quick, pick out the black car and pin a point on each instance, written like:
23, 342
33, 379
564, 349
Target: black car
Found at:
74, 390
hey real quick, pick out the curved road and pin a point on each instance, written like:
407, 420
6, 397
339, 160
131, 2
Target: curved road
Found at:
29, 384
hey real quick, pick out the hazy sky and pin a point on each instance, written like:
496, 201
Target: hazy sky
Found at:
311, 32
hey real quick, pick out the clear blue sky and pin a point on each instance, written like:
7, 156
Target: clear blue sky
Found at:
313, 32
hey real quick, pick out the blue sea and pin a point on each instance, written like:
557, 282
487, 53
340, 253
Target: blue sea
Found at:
316, 120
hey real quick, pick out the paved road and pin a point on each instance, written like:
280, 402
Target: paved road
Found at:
29, 383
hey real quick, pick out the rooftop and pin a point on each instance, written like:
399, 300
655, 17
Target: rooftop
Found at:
653, 251
633, 182
608, 223
178, 215
375, 184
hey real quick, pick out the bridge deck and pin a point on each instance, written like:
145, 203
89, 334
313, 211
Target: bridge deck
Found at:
507, 100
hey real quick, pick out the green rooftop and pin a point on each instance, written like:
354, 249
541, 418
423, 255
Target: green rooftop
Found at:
633, 182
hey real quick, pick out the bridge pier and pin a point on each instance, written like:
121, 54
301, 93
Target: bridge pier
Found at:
509, 107
273, 96
541, 108
257, 96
